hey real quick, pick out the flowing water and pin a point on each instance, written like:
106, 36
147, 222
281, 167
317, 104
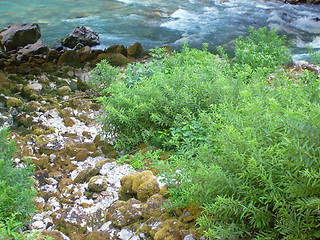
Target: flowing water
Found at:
160, 22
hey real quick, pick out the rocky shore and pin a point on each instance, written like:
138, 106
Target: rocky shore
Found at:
82, 193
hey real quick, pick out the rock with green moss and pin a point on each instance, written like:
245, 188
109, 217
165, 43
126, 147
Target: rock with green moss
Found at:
86, 174
55, 235
170, 230
115, 59
148, 188
124, 213
153, 207
69, 58
70, 220
13, 102
64, 90
32, 91
98, 184
136, 50
97, 235
32, 106
125, 191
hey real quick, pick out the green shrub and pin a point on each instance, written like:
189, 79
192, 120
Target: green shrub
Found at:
16, 189
186, 83
246, 136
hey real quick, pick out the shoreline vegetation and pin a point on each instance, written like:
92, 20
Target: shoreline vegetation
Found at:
235, 140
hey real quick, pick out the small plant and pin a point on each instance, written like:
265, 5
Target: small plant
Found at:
16, 189
139, 160
104, 75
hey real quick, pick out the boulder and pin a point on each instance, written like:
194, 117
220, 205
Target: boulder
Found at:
53, 56
69, 58
19, 35
83, 35
64, 90
147, 189
115, 59
98, 184
86, 174
37, 48
125, 213
153, 207
32, 91
136, 50
97, 235
116, 49
13, 102
70, 220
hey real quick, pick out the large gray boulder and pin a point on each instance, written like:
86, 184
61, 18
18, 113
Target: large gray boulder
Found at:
19, 35
34, 49
83, 35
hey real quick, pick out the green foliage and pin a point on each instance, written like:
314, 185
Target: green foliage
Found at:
16, 189
104, 75
262, 49
247, 148
140, 160
185, 83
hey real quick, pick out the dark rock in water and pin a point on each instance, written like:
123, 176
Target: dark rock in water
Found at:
59, 47
82, 35
19, 35
78, 46
37, 48
115, 59
136, 50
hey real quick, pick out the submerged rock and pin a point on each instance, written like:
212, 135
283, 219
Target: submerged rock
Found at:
83, 35
19, 35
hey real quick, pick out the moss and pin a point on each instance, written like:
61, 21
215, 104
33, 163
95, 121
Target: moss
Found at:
153, 207
170, 230
69, 122
86, 174
13, 102
98, 184
82, 155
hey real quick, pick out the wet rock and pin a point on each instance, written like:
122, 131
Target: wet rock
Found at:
124, 213
34, 49
32, 91
13, 102
115, 59
83, 35
78, 47
19, 35
98, 184
136, 50
63, 91
70, 220
69, 58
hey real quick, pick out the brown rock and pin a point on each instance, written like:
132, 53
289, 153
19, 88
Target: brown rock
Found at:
69, 58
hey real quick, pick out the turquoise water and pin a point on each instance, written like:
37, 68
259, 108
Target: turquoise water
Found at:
159, 22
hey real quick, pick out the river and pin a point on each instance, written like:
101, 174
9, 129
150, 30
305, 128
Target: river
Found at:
159, 22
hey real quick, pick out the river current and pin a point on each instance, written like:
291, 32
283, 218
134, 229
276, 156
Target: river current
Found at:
159, 22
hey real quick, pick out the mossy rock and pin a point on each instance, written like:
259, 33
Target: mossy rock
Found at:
115, 59
13, 102
97, 235
55, 235
136, 50
69, 58
76, 236
70, 220
98, 184
125, 191
64, 91
140, 178
190, 214
69, 122
86, 174
64, 182
32, 91
42, 163
147, 189
32, 106
170, 230
153, 207
82, 155
124, 213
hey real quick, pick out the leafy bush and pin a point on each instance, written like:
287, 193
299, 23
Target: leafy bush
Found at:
186, 83
16, 189
247, 141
